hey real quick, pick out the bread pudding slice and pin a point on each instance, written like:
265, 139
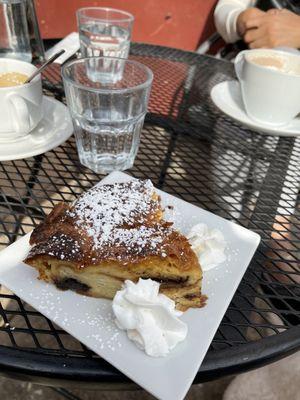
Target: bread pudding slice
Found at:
113, 233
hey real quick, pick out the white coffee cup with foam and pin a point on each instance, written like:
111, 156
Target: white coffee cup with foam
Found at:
20, 104
270, 85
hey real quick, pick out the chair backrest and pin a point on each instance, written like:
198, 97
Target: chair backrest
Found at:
175, 23
292, 5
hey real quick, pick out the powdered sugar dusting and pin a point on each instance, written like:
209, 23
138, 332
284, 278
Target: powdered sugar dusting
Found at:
98, 321
121, 215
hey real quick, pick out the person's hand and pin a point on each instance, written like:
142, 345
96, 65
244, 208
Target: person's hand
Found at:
245, 18
276, 28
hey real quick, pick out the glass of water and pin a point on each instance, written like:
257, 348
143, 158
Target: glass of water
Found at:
107, 117
104, 32
14, 33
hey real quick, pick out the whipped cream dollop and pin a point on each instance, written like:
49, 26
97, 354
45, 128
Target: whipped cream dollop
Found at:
149, 317
208, 244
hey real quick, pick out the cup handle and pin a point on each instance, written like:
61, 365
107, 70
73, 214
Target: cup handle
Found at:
238, 64
20, 114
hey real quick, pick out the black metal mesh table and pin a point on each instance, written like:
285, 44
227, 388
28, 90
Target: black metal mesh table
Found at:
189, 149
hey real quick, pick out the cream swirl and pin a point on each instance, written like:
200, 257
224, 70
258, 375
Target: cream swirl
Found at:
208, 244
149, 317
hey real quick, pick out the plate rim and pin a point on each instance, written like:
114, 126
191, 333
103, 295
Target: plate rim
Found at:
43, 147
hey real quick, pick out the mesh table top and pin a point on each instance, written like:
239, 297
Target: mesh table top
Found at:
189, 149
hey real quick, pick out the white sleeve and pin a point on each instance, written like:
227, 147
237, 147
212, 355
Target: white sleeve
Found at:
226, 14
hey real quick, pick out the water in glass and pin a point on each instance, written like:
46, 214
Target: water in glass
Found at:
107, 146
14, 34
104, 40
107, 117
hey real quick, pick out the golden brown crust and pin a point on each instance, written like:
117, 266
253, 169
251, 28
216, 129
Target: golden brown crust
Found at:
61, 240
71, 244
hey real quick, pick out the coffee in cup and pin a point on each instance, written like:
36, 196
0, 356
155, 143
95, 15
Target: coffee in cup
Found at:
270, 85
268, 62
12, 79
20, 103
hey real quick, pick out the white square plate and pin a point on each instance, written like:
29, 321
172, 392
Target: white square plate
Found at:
90, 320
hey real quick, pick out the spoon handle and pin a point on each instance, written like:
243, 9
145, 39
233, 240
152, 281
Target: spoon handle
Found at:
39, 70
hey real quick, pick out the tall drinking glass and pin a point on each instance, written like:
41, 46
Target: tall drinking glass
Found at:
14, 33
107, 117
104, 32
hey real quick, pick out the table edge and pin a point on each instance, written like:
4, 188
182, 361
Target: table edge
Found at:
45, 369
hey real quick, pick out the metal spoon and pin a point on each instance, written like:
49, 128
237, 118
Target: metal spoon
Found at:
42, 67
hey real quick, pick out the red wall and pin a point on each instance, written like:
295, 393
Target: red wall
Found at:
175, 23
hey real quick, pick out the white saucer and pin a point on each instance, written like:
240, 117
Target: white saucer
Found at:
54, 129
227, 97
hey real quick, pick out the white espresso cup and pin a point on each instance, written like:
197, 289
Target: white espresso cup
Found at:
20, 106
270, 85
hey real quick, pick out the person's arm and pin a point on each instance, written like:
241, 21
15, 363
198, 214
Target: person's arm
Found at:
226, 15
